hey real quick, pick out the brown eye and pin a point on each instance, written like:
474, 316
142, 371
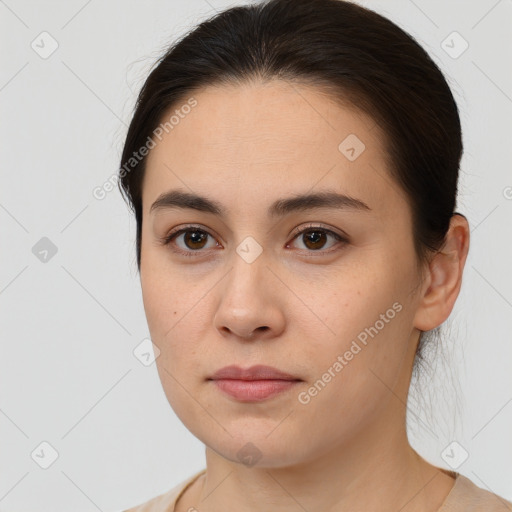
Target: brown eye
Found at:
189, 241
315, 238
195, 239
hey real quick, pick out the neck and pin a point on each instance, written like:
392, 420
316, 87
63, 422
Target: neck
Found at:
375, 470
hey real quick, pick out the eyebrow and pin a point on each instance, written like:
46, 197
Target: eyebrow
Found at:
178, 199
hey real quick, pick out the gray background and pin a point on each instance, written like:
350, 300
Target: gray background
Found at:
69, 324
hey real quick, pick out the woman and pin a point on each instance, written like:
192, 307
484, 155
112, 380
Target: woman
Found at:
293, 170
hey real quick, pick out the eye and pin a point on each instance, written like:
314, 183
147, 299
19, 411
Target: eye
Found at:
314, 238
192, 239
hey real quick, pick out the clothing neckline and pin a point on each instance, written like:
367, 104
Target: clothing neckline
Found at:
459, 480
453, 491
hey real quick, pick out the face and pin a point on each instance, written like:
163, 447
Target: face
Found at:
322, 289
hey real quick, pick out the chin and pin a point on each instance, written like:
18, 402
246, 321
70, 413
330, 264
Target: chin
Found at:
256, 448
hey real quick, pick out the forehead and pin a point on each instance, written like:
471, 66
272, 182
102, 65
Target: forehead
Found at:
262, 140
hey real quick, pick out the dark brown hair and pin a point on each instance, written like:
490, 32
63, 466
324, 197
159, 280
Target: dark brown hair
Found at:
355, 54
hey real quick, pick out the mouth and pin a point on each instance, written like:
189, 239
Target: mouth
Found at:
253, 384
253, 390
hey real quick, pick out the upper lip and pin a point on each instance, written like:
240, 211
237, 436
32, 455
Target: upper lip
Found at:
257, 372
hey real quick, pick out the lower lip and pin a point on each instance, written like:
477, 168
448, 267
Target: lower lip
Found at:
253, 390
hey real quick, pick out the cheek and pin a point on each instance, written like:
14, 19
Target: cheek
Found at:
339, 305
364, 318
179, 313
352, 372
167, 295
168, 313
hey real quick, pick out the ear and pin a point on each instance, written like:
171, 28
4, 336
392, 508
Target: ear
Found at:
444, 277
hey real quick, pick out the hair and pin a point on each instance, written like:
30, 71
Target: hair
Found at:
355, 55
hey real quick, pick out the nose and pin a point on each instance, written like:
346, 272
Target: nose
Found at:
251, 301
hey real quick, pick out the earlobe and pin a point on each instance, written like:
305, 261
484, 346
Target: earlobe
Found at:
444, 278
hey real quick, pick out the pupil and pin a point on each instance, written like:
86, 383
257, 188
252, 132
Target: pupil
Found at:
194, 237
315, 239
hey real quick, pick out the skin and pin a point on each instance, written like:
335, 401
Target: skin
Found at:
293, 307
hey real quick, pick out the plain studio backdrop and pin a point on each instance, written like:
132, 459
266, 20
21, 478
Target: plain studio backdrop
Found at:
84, 422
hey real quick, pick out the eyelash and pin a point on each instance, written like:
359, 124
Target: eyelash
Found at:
166, 240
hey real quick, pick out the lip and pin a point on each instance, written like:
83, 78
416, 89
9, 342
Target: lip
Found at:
253, 384
257, 372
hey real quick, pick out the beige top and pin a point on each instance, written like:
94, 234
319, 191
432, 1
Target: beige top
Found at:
464, 496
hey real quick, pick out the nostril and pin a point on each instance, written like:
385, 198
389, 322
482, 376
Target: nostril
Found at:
258, 329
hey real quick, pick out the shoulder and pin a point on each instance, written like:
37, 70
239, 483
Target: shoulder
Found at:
466, 496
165, 502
